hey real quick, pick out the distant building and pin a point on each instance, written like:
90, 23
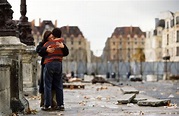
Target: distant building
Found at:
164, 40
122, 44
153, 42
170, 35
38, 31
79, 48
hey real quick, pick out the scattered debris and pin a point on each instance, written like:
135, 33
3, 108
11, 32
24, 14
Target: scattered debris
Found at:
141, 113
101, 88
86, 97
174, 77
126, 98
135, 77
131, 95
74, 85
30, 111
170, 105
99, 80
74, 80
99, 97
83, 103
154, 103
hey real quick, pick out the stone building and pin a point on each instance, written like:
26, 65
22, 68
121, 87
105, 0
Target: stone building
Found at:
170, 35
123, 44
164, 40
153, 42
80, 54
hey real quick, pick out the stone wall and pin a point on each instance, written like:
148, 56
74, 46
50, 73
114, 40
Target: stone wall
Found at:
17, 66
5, 64
29, 70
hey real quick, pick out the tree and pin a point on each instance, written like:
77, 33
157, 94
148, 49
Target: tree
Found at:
139, 56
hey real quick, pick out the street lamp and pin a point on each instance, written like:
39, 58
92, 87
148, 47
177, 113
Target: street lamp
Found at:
24, 26
7, 25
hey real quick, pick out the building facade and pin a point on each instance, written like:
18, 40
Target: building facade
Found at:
79, 47
170, 35
122, 44
164, 40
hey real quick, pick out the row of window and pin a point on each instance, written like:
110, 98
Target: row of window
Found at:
120, 43
79, 42
176, 37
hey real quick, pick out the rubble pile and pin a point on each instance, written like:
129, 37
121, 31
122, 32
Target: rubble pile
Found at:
132, 95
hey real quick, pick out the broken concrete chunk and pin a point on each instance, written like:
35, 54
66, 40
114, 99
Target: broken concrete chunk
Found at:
129, 90
126, 98
135, 100
154, 103
141, 97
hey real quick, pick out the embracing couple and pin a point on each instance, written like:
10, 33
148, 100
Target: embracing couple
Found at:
52, 50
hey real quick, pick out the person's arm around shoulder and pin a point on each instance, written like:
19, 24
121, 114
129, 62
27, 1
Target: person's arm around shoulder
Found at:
43, 51
40, 49
65, 50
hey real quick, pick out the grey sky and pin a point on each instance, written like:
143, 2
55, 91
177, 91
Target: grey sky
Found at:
97, 19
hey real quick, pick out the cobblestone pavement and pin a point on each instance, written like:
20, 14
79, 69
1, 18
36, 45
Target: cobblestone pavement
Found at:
101, 100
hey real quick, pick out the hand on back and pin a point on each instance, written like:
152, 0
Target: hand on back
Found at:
60, 44
50, 49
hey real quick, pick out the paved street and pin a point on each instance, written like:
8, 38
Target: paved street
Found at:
101, 100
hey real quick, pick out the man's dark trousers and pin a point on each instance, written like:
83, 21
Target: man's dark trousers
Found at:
53, 75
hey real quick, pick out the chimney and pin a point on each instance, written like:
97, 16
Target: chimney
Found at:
131, 29
39, 22
55, 23
156, 22
67, 27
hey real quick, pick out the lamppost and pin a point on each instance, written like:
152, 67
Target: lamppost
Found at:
7, 25
24, 26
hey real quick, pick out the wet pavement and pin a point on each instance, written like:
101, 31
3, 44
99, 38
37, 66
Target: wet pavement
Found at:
101, 100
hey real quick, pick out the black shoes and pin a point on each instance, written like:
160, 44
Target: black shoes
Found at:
60, 108
46, 109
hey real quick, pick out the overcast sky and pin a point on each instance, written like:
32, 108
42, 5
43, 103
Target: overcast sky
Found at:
97, 19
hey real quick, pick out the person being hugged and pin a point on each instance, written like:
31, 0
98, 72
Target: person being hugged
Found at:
53, 70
